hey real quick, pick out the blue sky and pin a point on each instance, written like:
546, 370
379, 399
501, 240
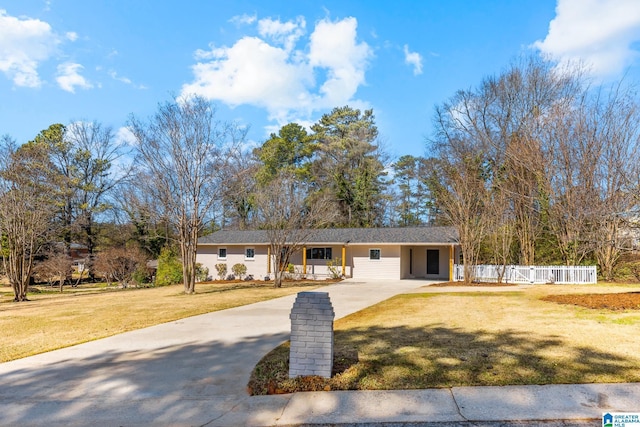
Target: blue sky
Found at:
268, 63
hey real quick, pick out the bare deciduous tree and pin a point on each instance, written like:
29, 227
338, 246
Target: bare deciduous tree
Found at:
500, 230
523, 133
573, 155
95, 153
562, 156
56, 266
120, 263
182, 152
237, 193
613, 132
459, 187
290, 218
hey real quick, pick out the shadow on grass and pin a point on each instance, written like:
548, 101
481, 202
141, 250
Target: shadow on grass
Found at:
378, 358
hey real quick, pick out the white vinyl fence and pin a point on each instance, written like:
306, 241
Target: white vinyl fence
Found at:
524, 274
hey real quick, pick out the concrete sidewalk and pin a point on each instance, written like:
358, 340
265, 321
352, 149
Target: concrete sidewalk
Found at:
513, 405
194, 372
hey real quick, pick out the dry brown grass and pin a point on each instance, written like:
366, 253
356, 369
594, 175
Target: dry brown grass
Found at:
53, 320
445, 339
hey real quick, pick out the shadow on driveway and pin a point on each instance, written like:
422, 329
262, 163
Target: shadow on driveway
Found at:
188, 384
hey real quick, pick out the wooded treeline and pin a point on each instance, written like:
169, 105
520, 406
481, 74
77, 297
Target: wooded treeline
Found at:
533, 166
536, 166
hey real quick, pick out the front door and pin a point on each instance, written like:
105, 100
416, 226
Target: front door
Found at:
433, 261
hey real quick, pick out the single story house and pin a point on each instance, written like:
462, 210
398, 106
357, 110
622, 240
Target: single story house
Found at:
362, 253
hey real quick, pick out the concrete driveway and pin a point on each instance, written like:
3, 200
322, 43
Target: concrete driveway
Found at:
187, 372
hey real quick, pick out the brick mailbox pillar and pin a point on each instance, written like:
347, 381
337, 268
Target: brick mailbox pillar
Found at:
311, 335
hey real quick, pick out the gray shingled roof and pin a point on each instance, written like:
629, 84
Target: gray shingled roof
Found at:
404, 235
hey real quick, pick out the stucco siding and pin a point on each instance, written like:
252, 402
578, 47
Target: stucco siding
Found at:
207, 256
257, 267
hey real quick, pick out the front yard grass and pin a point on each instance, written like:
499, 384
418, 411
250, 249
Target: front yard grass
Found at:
53, 320
446, 339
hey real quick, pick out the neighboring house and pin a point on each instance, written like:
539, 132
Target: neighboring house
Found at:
362, 253
78, 252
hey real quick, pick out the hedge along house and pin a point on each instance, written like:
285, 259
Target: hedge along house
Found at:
362, 253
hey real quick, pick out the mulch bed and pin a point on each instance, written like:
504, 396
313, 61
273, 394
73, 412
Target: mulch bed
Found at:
616, 301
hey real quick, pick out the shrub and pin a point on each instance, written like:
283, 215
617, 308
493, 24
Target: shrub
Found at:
634, 269
335, 268
202, 273
141, 275
169, 268
222, 270
239, 270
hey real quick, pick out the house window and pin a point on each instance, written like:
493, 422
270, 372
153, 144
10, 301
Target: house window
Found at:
374, 254
222, 253
249, 253
319, 253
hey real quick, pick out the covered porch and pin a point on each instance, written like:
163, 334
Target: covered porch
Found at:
434, 262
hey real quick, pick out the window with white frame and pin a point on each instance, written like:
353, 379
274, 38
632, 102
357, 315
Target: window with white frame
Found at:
249, 253
222, 253
374, 254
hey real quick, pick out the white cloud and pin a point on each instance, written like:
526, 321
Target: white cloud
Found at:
414, 59
124, 80
334, 48
243, 19
24, 44
69, 77
125, 137
212, 53
115, 76
251, 72
72, 36
286, 34
597, 33
270, 72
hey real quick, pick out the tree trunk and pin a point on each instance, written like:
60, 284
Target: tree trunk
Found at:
277, 278
188, 249
278, 264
